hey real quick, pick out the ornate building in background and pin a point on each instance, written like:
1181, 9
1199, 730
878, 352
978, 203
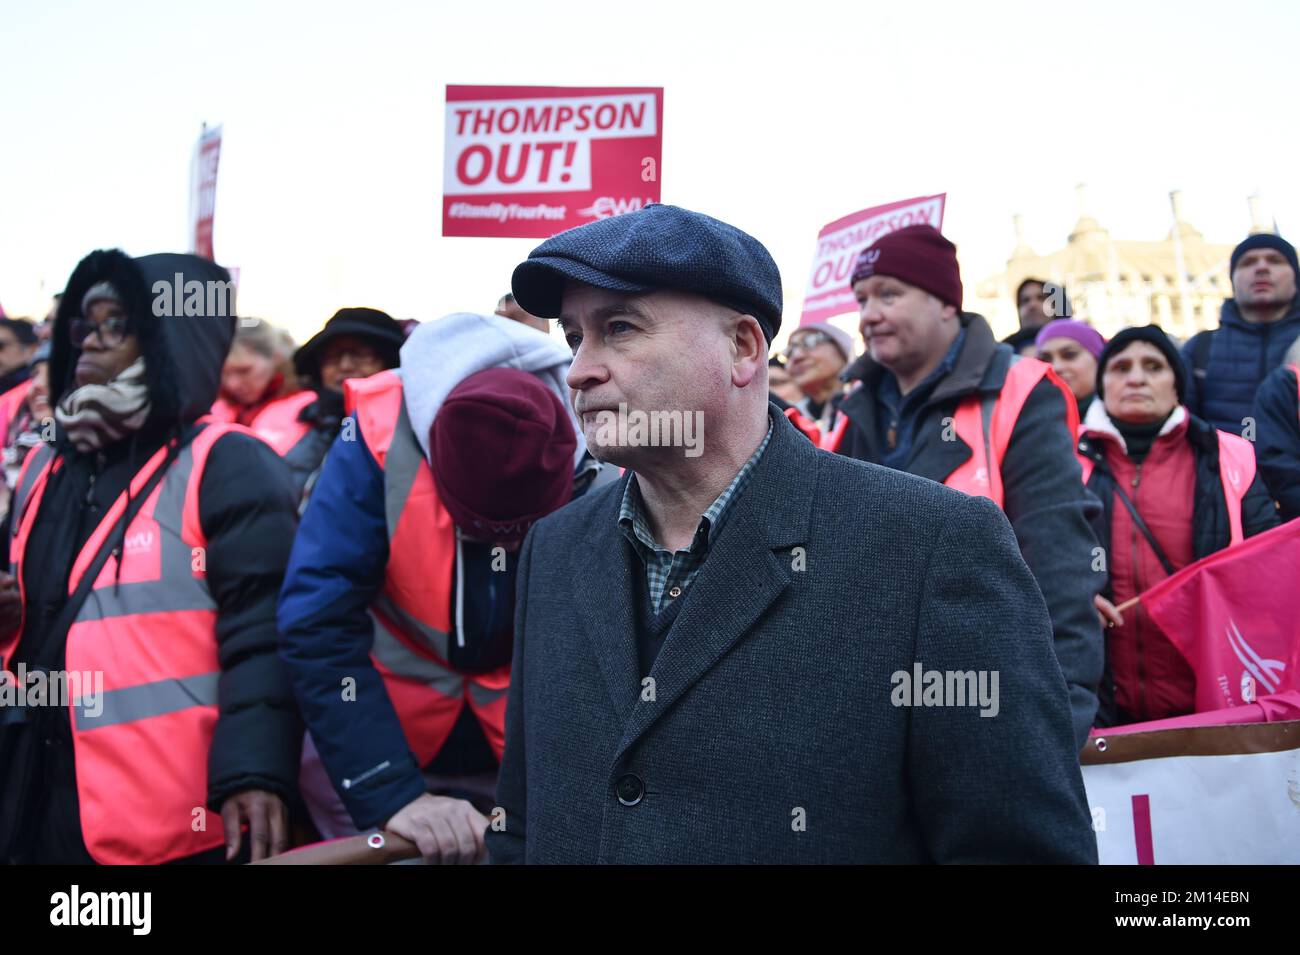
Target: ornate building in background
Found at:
1178, 282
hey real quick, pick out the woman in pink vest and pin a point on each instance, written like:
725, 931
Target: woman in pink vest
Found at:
148, 544
258, 371
1173, 490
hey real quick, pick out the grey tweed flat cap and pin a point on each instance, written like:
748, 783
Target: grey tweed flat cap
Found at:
656, 247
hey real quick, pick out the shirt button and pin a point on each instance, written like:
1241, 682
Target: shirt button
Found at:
630, 789
674, 592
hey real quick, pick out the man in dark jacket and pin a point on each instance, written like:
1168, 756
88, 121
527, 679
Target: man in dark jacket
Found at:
1277, 440
125, 383
1037, 303
1256, 327
714, 657
926, 360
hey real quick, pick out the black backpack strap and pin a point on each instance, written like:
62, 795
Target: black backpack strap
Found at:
1201, 354
70, 609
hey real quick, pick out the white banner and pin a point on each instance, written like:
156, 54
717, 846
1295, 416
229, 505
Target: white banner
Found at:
1198, 810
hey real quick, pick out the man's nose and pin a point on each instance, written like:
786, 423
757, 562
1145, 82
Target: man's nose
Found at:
586, 369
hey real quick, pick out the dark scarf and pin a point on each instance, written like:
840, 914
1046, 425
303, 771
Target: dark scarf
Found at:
1138, 438
326, 412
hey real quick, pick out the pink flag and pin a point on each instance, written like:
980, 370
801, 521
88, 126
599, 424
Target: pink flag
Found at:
1235, 616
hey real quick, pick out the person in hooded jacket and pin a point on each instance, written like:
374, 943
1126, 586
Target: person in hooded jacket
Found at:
1277, 436
397, 612
1173, 489
1256, 327
147, 547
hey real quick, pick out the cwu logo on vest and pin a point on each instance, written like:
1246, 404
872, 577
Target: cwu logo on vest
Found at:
141, 542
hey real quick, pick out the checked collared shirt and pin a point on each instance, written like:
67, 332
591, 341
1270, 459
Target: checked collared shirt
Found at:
670, 573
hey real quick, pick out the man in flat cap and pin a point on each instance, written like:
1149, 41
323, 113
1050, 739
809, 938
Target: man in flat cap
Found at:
747, 649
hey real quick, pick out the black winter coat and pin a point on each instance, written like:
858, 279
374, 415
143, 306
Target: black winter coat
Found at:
1277, 439
247, 512
1239, 356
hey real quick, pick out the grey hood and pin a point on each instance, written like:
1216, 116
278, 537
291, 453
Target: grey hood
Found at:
439, 355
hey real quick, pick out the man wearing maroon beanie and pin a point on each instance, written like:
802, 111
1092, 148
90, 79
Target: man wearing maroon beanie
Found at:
940, 398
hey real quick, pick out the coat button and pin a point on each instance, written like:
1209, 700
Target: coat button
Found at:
630, 789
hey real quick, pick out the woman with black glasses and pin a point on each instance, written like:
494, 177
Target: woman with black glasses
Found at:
148, 546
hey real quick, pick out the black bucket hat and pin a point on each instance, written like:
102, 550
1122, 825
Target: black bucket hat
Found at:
378, 328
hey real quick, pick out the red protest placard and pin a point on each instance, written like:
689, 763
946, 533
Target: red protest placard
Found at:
530, 161
839, 243
203, 200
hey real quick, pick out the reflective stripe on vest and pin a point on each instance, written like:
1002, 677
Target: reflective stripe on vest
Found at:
149, 634
412, 613
1236, 473
830, 441
985, 424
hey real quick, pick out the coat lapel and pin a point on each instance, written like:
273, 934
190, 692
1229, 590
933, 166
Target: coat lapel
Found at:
608, 605
742, 576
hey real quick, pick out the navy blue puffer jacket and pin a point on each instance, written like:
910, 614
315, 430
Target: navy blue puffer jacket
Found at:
1241, 355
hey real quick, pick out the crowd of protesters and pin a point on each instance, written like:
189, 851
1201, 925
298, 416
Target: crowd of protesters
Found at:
306, 573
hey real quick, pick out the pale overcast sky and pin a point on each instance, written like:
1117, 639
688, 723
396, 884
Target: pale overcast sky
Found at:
778, 118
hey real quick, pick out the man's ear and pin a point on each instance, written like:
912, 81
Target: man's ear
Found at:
750, 346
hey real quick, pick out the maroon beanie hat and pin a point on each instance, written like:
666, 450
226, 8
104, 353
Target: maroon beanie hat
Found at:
502, 450
918, 255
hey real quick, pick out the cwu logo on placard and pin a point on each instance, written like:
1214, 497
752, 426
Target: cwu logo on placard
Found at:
606, 207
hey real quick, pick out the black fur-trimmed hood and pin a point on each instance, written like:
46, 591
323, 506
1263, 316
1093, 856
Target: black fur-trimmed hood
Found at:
183, 353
